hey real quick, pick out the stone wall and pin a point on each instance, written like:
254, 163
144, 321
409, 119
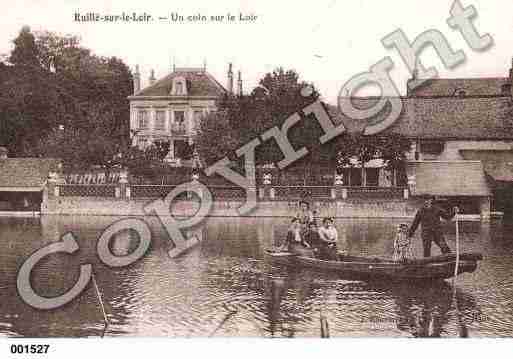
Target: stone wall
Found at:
362, 208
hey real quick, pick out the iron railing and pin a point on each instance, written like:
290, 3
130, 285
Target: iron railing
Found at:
87, 190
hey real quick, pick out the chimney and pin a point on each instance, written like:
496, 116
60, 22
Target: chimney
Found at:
230, 79
152, 77
511, 79
137, 80
239, 85
3, 153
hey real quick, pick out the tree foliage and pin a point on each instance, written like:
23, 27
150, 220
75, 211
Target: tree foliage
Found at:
389, 147
59, 99
240, 119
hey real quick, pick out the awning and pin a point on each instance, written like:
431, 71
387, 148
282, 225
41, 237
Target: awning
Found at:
497, 163
447, 178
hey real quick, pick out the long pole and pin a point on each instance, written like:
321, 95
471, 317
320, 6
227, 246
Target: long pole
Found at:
457, 245
100, 300
463, 332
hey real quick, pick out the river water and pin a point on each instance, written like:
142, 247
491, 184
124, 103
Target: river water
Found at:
224, 287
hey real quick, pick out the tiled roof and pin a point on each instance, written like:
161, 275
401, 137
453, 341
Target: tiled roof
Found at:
443, 117
471, 87
199, 83
497, 163
450, 178
26, 172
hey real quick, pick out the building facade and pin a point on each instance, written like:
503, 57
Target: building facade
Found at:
461, 133
170, 109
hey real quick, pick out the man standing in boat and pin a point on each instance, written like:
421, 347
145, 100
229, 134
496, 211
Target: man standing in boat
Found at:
429, 216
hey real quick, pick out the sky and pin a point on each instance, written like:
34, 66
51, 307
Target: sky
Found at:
326, 41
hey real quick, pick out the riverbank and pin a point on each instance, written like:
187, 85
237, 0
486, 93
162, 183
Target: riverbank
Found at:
228, 208
356, 208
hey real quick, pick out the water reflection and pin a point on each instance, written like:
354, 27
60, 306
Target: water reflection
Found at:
225, 287
430, 310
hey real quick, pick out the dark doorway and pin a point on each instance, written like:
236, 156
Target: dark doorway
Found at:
21, 201
502, 200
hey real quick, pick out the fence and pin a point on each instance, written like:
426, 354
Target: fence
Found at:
87, 190
232, 192
150, 191
297, 192
375, 192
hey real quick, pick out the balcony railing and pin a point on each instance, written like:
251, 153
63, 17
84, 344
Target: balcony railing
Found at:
178, 129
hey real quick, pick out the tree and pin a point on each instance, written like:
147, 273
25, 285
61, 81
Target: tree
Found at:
56, 93
389, 147
216, 137
240, 119
25, 53
27, 96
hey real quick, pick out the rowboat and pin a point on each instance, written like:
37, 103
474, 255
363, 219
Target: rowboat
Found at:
370, 268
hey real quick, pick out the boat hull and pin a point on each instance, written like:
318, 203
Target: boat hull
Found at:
433, 268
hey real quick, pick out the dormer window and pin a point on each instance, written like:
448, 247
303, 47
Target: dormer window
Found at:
179, 86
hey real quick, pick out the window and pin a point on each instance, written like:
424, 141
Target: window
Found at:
160, 119
197, 119
143, 143
432, 147
142, 116
179, 117
179, 88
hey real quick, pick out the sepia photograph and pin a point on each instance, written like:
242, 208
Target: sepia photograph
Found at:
244, 170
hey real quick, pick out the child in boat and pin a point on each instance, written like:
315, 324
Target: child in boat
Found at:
329, 237
402, 244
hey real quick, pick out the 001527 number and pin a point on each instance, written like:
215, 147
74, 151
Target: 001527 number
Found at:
29, 349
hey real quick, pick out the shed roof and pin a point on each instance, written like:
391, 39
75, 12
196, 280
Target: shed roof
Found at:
26, 173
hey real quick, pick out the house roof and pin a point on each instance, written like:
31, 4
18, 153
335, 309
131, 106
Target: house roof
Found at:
492, 86
448, 178
498, 164
474, 118
199, 83
26, 172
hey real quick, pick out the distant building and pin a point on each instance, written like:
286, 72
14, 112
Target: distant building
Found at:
461, 132
170, 109
22, 181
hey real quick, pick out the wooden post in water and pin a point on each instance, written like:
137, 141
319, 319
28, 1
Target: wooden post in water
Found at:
100, 300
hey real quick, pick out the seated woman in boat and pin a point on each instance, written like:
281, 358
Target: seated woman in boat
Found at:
305, 216
294, 241
313, 239
329, 236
